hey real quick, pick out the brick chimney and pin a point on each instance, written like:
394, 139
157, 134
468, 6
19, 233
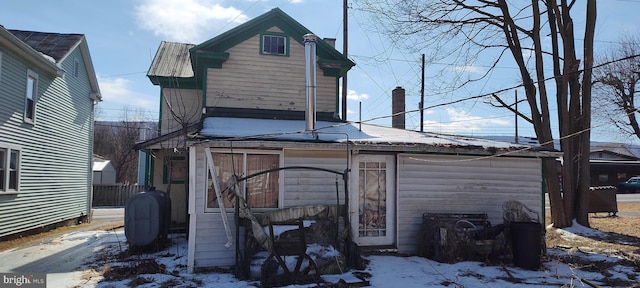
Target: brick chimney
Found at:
397, 108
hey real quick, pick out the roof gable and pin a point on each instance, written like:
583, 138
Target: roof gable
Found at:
216, 47
54, 49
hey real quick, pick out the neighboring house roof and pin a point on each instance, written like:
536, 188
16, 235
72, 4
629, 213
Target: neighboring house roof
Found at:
55, 47
100, 165
618, 149
172, 60
165, 137
359, 134
13, 43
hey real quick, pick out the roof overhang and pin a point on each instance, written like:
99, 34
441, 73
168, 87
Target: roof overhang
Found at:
15, 45
276, 134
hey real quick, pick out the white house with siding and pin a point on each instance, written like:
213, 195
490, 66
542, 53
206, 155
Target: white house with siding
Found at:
250, 91
48, 89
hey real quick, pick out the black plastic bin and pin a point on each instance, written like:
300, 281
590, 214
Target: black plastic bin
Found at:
526, 244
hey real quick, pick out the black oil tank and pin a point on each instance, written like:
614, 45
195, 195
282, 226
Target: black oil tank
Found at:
146, 217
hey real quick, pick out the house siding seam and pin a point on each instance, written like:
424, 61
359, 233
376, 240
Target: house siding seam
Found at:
443, 184
55, 176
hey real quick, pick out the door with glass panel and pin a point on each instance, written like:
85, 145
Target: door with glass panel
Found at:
373, 201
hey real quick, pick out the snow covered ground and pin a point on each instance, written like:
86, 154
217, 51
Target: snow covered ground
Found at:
91, 259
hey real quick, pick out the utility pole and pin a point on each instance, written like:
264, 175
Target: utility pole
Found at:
422, 98
517, 117
345, 41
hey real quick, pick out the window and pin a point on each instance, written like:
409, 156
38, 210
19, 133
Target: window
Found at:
175, 171
603, 177
31, 97
9, 170
261, 191
275, 45
76, 68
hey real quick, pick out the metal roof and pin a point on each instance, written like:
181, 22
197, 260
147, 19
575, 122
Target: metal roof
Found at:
172, 60
360, 134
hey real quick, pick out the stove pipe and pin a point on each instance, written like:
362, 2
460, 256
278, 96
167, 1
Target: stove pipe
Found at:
310, 41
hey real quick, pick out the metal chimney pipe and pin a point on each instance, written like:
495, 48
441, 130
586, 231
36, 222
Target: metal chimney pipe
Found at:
310, 41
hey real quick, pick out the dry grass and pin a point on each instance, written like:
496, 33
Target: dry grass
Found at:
622, 232
45, 236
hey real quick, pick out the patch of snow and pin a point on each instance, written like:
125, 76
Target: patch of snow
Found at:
577, 229
385, 271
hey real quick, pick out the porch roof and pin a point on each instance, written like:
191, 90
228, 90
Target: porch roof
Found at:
360, 134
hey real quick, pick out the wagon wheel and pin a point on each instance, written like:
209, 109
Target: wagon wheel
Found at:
275, 271
310, 270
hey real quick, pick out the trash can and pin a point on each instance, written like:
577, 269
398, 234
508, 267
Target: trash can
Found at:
526, 245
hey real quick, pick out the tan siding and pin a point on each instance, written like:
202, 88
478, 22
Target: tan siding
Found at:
443, 184
186, 106
244, 82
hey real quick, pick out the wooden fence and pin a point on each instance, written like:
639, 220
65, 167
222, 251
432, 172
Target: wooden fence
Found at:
114, 195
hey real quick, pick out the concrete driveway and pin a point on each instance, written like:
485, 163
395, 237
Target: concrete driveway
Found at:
61, 255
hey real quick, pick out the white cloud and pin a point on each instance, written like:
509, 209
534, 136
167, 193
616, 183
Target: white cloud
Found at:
469, 69
118, 91
353, 95
462, 122
191, 21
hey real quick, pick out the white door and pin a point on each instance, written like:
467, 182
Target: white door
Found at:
373, 203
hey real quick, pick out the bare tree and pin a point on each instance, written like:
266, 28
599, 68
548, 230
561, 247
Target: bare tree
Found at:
463, 31
181, 110
616, 85
114, 140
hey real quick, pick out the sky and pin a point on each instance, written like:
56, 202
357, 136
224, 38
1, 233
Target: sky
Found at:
123, 36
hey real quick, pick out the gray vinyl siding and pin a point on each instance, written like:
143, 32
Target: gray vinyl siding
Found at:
450, 184
210, 237
55, 165
251, 80
433, 183
302, 187
310, 187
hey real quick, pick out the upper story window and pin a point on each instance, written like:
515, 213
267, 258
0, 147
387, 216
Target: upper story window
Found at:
9, 169
0, 65
76, 68
261, 191
274, 45
31, 97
